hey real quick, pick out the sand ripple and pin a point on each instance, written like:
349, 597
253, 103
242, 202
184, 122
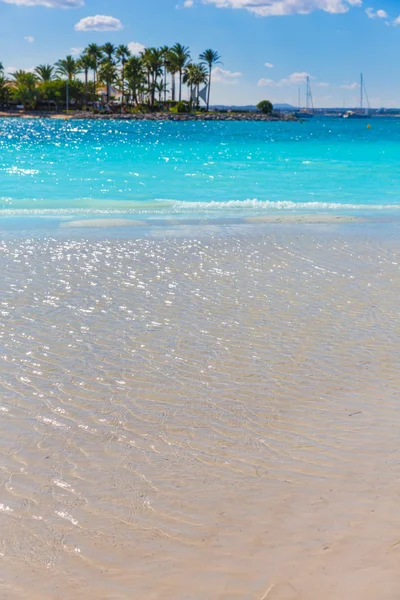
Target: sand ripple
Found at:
200, 418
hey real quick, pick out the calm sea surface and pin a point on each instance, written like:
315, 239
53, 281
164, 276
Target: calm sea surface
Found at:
206, 407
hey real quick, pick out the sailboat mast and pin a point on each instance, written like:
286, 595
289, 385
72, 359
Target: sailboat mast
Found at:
361, 91
308, 94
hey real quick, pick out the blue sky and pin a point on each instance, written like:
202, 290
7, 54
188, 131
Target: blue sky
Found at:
268, 46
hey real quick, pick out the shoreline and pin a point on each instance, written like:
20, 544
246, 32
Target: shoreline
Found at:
84, 115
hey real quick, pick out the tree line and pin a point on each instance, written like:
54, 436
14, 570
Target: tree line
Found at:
156, 75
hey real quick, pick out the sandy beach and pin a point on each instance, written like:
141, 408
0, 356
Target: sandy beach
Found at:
201, 416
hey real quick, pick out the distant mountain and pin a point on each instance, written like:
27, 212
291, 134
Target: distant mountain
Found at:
251, 107
284, 107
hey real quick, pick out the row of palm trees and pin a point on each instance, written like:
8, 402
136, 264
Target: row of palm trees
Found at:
155, 75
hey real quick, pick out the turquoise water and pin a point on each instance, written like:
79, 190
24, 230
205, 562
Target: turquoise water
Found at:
193, 167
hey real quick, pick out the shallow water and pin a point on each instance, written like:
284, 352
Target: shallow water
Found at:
200, 415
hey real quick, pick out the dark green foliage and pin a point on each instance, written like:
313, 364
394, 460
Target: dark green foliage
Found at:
265, 106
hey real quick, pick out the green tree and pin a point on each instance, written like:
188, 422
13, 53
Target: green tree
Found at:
55, 92
52, 92
181, 57
24, 89
172, 69
96, 54
109, 50
85, 64
5, 90
194, 76
68, 67
44, 72
152, 62
164, 54
265, 106
108, 75
122, 55
135, 77
211, 58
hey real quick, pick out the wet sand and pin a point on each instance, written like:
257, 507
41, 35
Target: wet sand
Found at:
107, 222
200, 416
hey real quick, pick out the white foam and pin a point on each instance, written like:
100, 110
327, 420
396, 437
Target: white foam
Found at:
169, 206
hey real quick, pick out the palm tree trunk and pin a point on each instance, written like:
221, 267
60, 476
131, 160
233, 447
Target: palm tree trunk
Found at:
123, 84
173, 86
165, 84
86, 88
209, 88
180, 85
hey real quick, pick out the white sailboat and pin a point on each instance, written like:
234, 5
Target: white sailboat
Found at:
308, 112
361, 113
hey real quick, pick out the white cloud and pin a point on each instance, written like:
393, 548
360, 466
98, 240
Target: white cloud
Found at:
136, 48
269, 65
396, 21
76, 51
263, 82
293, 79
186, 4
350, 86
10, 70
323, 84
277, 8
224, 76
29, 38
47, 3
378, 14
98, 23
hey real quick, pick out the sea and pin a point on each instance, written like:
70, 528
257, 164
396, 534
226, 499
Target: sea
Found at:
181, 168
199, 360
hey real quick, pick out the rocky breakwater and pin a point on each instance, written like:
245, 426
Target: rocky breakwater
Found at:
245, 116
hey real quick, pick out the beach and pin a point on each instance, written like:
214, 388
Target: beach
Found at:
201, 416
199, 361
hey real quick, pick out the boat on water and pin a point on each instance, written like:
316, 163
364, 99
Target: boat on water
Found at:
308, 111
351, 114
361, 113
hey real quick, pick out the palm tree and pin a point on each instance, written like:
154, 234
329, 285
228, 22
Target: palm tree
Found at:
44, 73
109, 50
135, 76
152, 62
96, 54
194, 76
4, 88
165, 53
68, 67
86, 63
22, 76
211, 58
1, 68
108, 75
24, 89
181, 55
122, 55
172, 69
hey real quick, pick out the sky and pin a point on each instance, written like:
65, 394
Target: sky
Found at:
268, 47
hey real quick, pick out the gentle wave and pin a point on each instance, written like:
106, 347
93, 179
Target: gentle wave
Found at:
166, 206
255, 204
